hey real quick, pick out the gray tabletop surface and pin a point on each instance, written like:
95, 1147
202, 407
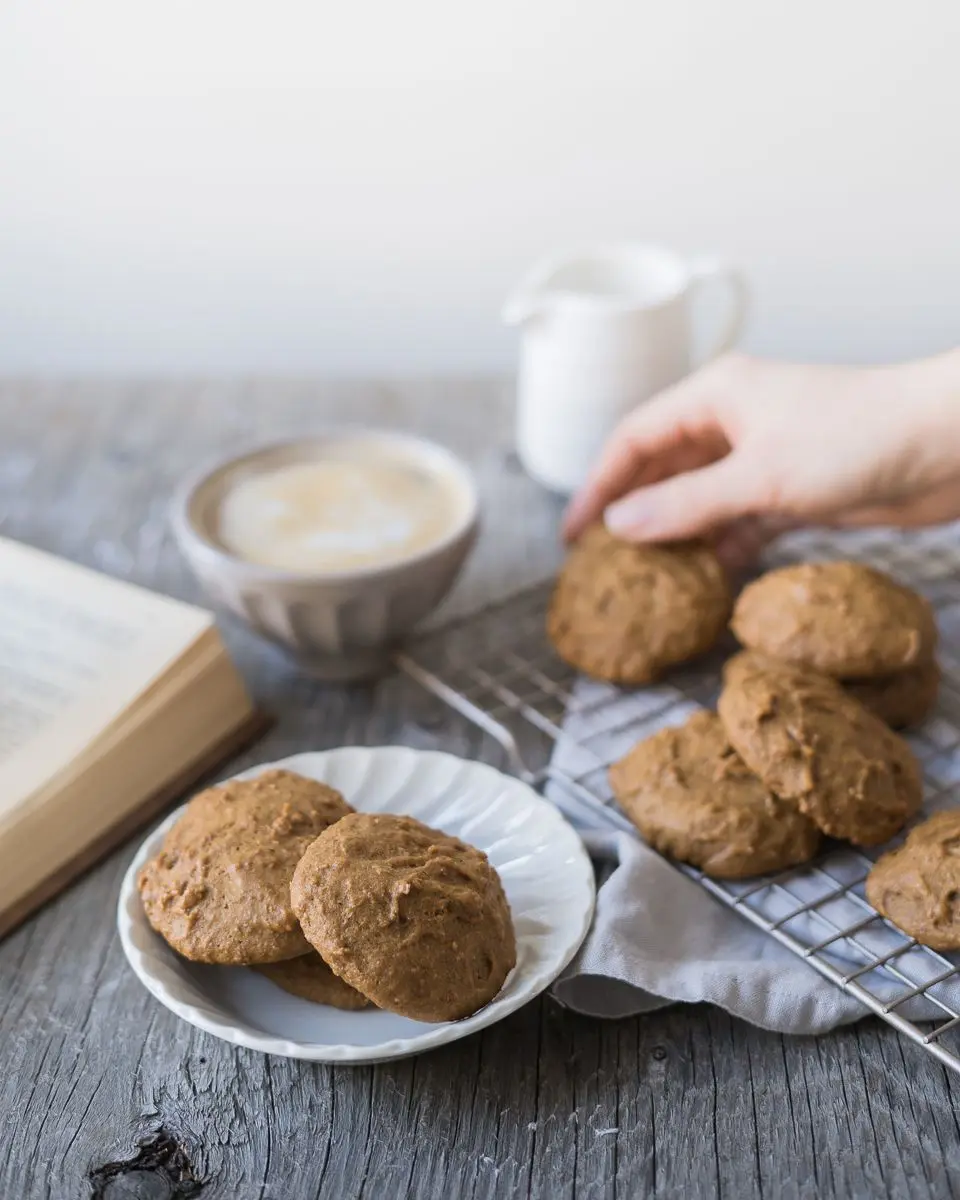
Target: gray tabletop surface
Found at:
105, 1093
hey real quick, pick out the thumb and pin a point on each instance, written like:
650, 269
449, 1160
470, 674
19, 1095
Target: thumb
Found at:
686, 505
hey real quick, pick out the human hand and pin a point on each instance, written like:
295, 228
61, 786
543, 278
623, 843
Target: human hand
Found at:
745, 448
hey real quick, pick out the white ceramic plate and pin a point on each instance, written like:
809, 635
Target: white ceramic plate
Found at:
545, 871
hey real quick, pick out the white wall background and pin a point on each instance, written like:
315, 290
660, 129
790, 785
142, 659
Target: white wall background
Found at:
352, 185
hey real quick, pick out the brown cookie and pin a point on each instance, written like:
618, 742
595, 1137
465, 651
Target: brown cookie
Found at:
219, 890
902, 699
310, 978
626, 613
415, 920
842, 618
917, 887
812, 743
693, 798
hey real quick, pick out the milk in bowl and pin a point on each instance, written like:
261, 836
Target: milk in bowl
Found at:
337, 514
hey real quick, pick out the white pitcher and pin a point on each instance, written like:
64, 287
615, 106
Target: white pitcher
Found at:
603, 330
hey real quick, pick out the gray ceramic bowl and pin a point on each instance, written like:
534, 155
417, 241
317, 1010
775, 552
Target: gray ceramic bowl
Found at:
339, 625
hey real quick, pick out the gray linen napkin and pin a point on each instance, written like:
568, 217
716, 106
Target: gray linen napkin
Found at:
659, 937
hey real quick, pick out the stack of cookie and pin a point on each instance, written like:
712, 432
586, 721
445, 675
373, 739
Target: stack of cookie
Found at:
788, 757
794, 725
342, 908
802, 744
853, 623
876, 638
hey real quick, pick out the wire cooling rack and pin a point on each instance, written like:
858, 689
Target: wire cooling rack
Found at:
560, 733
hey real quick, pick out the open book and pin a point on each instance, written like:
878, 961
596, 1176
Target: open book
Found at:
113, 700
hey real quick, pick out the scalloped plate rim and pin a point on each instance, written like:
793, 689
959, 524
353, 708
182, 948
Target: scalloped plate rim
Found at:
519, 989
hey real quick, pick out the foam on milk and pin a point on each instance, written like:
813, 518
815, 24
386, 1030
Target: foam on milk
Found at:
337, 514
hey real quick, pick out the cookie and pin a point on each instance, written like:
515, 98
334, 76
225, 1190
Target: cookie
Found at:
219, 890
626, 613
414, 919
842, 618
899, 700
917, 887
310, 978
811, 742
693, 798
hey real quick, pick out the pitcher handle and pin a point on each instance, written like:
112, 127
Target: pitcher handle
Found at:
706, 272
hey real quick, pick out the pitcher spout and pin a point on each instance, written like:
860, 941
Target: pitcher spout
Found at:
520, 308
533, 296
604, 280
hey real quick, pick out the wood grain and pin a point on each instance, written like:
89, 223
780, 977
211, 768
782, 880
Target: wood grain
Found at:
103, 1092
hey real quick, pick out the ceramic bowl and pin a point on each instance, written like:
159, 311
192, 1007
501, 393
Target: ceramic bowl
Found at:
339, 625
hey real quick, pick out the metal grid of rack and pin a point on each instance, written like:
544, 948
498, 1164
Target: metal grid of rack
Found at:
561, 732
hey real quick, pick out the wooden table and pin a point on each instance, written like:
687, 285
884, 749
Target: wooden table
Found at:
105, 1093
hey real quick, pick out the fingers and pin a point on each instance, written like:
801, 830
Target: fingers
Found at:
654, 430
688, 505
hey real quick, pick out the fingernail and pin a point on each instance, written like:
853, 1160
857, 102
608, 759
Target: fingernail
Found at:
627, 516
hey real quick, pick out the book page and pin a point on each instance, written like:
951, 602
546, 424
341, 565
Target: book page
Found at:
76, 650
